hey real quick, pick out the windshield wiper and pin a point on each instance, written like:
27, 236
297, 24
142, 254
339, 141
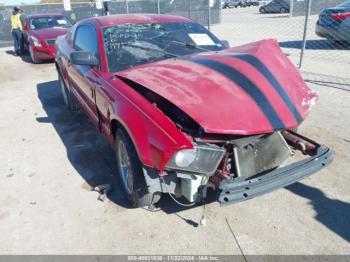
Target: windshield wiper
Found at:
150, 49
189, 45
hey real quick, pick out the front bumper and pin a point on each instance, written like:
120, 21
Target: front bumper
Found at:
232, 191
44, 53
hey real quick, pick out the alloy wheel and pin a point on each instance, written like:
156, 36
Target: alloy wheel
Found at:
124, 167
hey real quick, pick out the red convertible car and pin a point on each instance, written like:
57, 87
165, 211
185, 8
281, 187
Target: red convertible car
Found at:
186, 113
40, 32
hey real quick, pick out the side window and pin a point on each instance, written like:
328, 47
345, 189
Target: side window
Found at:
86, 39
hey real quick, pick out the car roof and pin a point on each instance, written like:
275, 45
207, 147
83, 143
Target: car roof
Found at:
112, 20
43, 15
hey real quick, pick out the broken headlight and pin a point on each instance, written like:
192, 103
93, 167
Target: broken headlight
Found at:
202, 159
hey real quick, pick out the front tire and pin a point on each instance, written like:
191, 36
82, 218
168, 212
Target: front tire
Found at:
32, 57
130, 172
262, 10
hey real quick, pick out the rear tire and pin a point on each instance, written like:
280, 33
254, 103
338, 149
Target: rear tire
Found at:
130, 172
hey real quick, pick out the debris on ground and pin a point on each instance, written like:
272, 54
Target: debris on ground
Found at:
103, 189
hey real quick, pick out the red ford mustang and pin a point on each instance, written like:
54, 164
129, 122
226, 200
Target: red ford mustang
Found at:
40, 33
185, 112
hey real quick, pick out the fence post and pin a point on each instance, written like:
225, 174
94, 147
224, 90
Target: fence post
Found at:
305, 32
291, 8
127, 6
105, 8
158, 6
209, 14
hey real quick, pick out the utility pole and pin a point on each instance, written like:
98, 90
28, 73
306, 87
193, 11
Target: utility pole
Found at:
209, 13
127, 6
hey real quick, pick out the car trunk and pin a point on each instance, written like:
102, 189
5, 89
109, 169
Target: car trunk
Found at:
333, 16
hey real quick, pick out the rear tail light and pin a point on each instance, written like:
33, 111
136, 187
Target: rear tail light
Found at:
340, 16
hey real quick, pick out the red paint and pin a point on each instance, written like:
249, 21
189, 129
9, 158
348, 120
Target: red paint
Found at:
211, 99
215, 102
218, 104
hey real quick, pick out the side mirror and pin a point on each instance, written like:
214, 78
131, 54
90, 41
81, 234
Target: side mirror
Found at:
226, 43
84, 58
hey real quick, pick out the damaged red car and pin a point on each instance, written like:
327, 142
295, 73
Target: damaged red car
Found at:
187, 113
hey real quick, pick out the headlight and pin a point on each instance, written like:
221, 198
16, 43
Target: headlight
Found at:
185, 157
201, 159
36, 41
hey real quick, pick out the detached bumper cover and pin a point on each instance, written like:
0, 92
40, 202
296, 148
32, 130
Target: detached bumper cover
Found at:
233, 191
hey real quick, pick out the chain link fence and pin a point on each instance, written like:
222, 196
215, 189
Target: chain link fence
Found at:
294, 24
321, 57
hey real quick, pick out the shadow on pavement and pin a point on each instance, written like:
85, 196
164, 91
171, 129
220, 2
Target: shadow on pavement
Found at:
332, 213
88, 152
316, 45
10, 52
276, 16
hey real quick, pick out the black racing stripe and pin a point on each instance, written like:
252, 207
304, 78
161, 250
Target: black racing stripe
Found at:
253, 91
273, 81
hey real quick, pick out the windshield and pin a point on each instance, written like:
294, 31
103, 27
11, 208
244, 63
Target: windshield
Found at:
345, 4
135, 44
49, 22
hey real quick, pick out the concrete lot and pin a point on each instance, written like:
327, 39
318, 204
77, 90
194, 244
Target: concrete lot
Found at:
50, 159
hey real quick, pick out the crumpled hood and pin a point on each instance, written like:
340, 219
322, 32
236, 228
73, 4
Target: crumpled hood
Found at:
245, 90
48, 33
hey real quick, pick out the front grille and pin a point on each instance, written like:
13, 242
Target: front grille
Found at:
50, 42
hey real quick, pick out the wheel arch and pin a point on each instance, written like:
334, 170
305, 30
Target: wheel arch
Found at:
153, 147
141, 147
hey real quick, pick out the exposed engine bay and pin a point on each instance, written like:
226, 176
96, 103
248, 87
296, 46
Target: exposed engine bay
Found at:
249, 157
247, 161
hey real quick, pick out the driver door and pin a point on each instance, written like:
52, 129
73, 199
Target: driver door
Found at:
83, 77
